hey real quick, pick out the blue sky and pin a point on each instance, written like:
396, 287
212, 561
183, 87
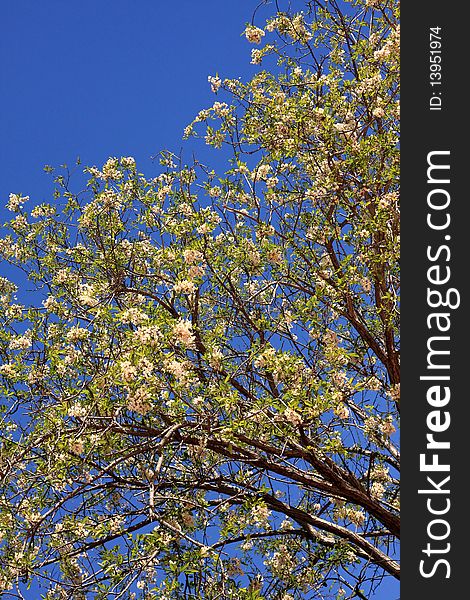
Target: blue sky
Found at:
100, 78
104, 78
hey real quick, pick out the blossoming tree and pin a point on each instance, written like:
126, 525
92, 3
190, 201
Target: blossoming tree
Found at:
201, 398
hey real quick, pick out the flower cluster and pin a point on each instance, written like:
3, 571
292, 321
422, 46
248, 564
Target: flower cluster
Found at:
355, 516
282, 562
259, 515
21, 342
215, 82
16, 201
184, 286
139, 401
111, 169
292, 417
254, 34
183, 334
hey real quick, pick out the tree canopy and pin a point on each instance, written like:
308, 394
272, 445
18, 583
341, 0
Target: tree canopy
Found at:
200, 399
